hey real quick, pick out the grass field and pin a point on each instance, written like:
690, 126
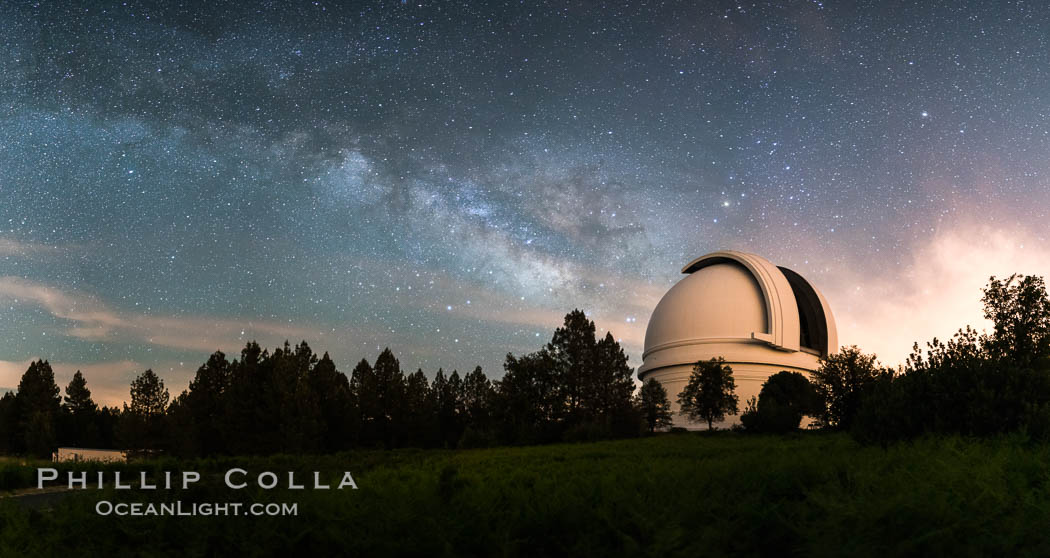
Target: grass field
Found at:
671, 495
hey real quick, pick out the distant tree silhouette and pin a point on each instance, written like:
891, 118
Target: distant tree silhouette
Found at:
142, 423
298, 409
206, 403
842, 381
108, 420
10, 434
78, 397
478, 401
477, 397
420, 427
149, 397
591, 381
251, 406
362, 388
1020, 312
448, 399
38, 403
572, 350
613, 389
456, 401
528, 400
287, 401
574, 388
79, 415
710, 393
654, 405
380, 395
181, 428
330, 388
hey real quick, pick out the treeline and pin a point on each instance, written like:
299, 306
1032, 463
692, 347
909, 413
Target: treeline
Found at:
577, 387
293, 401
976, 384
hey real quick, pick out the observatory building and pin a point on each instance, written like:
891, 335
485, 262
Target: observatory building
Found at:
759, 317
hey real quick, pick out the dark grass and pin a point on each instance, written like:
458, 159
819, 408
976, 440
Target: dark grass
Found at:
672, 495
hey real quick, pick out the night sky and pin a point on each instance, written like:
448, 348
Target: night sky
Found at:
450, 180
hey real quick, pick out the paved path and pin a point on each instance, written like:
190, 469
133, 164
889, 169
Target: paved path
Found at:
38, 499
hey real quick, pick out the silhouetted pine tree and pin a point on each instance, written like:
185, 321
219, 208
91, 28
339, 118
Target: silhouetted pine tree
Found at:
420, 427
479, 420
79, 415
613, 389
528, 400
37, 402
78, 397
108, 420
362, 380
181, 427
477, 398
206, 404
572, 350
10, 435
448, 396
298, 407
592, 382
250, 409
331, 391
142, 423
381, 394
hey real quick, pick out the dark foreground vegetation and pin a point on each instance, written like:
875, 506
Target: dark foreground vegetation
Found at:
976, 384
812, 494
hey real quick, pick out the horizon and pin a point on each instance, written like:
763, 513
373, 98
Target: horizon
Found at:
450, 181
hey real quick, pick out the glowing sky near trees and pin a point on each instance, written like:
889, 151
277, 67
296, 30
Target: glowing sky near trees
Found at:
450, 180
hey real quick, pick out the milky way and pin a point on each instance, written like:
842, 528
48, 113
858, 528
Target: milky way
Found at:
450, 180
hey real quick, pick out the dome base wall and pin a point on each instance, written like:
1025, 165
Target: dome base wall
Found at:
748, 376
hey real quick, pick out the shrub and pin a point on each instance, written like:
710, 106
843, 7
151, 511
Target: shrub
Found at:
784, 399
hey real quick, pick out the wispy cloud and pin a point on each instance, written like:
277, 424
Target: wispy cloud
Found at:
13, 247
93, 320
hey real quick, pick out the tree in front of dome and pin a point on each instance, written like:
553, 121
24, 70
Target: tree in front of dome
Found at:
654, 406
710, 394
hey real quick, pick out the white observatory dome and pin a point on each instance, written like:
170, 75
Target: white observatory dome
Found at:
759, 317
719, 301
